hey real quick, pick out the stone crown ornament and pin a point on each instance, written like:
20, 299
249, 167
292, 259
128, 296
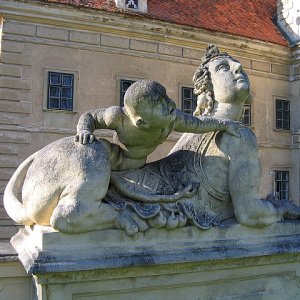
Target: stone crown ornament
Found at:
212, 53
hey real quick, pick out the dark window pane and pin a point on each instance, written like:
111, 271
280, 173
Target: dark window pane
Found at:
53, 103
55, 78
124, 85
187, 104
54, 91
246, 119
67, 80
132, 4
187, 93
285, 105
66, 104
66, 92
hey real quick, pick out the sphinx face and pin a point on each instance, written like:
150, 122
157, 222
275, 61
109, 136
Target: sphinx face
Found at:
230, 82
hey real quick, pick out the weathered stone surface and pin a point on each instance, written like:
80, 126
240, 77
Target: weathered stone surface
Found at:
260, 66
16, 59
85, 37
44, 250
113, 41
169, 50
22, 107
15, 83
11, 46
280, 69
11, 70
9, 118
192, 53
7, 94
162, 264
6, 148
143, 46
19, 28
52, 33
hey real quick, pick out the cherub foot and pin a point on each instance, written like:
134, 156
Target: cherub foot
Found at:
130, 222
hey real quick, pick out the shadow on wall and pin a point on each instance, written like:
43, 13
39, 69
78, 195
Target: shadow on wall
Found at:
288, 20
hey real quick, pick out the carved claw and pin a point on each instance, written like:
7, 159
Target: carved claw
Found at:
290, 210
158, 221
181, 219
130, 222
287, 209
172, 222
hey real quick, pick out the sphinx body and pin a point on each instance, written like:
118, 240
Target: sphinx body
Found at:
206, 179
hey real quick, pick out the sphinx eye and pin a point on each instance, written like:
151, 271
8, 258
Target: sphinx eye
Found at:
223, 67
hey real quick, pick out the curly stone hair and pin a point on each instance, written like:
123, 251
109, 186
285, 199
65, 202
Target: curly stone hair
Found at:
202, 81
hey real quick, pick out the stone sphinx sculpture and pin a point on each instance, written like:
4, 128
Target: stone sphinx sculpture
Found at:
207, 178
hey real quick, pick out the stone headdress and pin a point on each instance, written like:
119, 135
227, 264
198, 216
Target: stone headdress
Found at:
202, 81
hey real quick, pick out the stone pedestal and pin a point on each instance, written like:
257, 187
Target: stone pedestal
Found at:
226, 262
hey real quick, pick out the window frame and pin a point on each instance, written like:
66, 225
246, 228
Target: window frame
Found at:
194, 99
280, 182
46, 79
121, 92
137, 5
276, 120
142, 6
250, 115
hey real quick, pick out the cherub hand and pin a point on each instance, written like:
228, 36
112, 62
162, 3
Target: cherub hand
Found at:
233, 128
84, 137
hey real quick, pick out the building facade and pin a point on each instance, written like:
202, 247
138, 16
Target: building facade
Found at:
61, 58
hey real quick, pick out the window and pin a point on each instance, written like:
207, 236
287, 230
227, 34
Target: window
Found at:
283, 114
133, 4
60, 91
140, 6
124, 85
189, 100
246, 119
282, 184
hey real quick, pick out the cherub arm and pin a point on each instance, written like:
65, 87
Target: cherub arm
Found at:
188, 123
108, 118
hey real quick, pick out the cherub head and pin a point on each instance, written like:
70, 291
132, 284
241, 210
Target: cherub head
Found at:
219, 78
148, 105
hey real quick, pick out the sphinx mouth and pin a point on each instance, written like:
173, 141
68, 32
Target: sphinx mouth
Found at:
241, 79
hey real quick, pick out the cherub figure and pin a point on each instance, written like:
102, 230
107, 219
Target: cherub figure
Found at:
145, 121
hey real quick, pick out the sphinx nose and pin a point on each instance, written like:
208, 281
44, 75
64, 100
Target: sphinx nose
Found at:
238, 68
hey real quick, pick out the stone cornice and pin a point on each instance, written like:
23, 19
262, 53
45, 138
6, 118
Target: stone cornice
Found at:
144, 29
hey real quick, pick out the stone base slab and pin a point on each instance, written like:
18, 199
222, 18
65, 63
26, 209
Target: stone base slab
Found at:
227, 262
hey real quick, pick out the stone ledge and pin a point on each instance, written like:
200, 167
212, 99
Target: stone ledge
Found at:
43, 250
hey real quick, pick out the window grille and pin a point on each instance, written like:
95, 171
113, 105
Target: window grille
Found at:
246, 120
124, 85
283, 114
282, 184
189, 100
60, 91
133, 4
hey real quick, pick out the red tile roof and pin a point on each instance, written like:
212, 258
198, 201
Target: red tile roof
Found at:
247, 18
